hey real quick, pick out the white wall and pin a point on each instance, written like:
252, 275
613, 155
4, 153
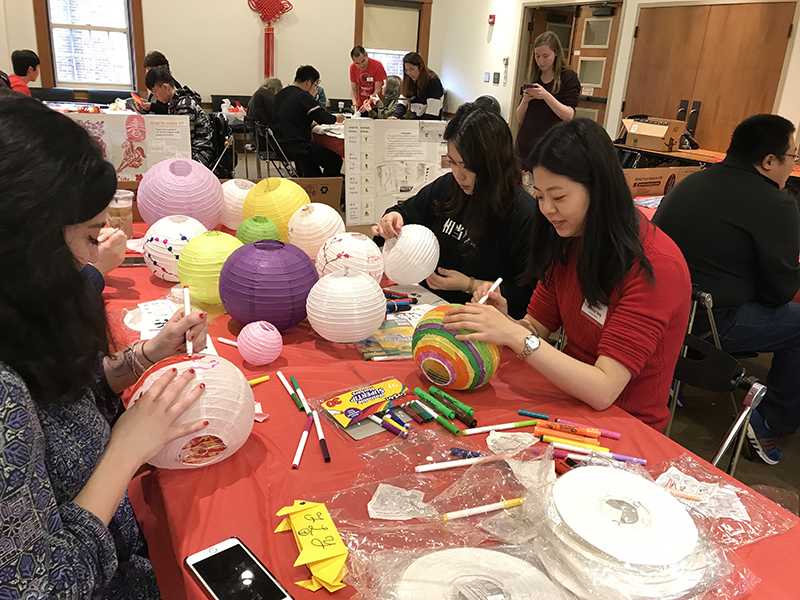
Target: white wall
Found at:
463, 47
218, 47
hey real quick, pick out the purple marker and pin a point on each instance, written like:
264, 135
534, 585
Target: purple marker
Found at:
388, 426
612, 435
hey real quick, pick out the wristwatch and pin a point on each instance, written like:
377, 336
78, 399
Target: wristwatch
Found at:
529, 346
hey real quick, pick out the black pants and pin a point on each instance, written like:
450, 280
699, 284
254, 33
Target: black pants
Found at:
318, 161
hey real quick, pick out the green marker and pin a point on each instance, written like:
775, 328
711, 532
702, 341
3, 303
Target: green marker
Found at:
434, 403
295, 397
452, 400
440, 419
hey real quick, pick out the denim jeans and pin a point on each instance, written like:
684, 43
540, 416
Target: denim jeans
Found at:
758, 328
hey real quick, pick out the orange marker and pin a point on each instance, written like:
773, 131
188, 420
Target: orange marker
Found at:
543, 431
591, 432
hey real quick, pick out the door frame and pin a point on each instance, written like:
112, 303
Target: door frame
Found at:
621, 72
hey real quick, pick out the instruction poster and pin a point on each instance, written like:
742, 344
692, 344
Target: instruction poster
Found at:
133, 143
388, 161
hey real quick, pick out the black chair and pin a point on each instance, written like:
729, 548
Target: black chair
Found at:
271, 152
106, 96
53, 94
707, 366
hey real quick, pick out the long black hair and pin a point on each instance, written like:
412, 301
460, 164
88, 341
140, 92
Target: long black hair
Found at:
610, 245
51, 175
484, 142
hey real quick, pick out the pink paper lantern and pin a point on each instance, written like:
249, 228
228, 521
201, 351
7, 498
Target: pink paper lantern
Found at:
180, 186
260, 343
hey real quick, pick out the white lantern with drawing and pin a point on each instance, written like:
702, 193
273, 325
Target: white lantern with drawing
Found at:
412, 256
311, 225
350, 250
164, 242
346, 306
226, 403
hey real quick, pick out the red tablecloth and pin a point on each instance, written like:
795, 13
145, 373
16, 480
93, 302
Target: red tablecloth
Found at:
335, 144
185, 511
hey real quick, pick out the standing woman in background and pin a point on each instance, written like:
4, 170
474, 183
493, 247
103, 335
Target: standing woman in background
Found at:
549, 98
421, 94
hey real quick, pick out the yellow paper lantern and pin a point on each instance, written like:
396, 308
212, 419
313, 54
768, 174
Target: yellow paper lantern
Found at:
277, 199
201, 262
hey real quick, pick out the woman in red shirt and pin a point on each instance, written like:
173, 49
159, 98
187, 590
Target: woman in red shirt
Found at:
617, 284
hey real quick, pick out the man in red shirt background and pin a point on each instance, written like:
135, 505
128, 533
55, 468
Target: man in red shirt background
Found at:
367, 77
26, 70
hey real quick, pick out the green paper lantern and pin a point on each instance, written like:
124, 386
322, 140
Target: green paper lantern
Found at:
256, 229
201, 262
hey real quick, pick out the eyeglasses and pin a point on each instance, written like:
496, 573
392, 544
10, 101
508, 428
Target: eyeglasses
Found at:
795, 157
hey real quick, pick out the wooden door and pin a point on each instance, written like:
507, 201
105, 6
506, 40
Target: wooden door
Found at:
740, 67
666, 59
594, 44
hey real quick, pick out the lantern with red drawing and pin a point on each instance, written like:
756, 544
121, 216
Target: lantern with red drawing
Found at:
270, 11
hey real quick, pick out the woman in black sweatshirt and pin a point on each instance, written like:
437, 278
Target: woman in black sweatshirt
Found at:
479, 212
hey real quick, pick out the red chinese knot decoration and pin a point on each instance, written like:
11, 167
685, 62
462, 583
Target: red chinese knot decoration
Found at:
270, 11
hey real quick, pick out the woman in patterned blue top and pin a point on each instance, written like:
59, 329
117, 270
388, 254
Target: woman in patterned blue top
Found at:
67, 449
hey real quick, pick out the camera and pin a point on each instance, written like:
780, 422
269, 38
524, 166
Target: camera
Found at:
525, 86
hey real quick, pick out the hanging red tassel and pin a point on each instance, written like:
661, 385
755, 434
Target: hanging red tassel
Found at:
269, 51
270, 11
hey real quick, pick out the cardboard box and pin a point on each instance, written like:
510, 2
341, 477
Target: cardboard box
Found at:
326, 190
656, 182
663, 135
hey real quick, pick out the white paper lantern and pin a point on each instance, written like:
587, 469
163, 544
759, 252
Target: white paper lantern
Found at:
311, 225
346, 306
164, 242
234, 191
350, 250
227, 404
412, 256
260, 343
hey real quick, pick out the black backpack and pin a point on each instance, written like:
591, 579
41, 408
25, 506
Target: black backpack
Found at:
221, 131
5, 82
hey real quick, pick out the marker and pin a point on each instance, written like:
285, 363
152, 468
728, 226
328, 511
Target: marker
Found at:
258, 380
397, 295
398, 423
394, 308
407, 408
479, 510
494, 286
452, 400
440, 419
612, 435
300, 396
323, 444
301, 445
452, 464
187, 309
567, 437
391, 357
415, 405
290, 390
387, 425
228, 342
587, 432
592, 450
530, 413
464, 453
434, 403
551, 439
500, 427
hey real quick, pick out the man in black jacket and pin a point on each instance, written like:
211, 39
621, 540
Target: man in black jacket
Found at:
295, 112
739, 232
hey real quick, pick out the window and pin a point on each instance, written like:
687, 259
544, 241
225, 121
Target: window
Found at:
392, 60
591, 71
596, 32
91, 43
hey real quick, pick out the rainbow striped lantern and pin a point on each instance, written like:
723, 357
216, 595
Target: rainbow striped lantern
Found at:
201, 262
277, 199
350, 250
267, 281
448, 362
311, 225
164, 241
226, 403
180, 186
234, 191
260, 343
256, 229
412, 256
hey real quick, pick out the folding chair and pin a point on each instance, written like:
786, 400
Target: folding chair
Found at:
707, 366
273, 154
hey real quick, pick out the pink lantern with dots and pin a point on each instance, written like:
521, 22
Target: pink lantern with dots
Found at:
180, 186
260, 343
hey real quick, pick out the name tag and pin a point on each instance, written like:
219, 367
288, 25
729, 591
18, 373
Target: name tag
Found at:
370, 79
595, 313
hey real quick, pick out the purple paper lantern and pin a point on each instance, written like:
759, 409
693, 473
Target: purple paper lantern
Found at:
180, 186
267, 281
